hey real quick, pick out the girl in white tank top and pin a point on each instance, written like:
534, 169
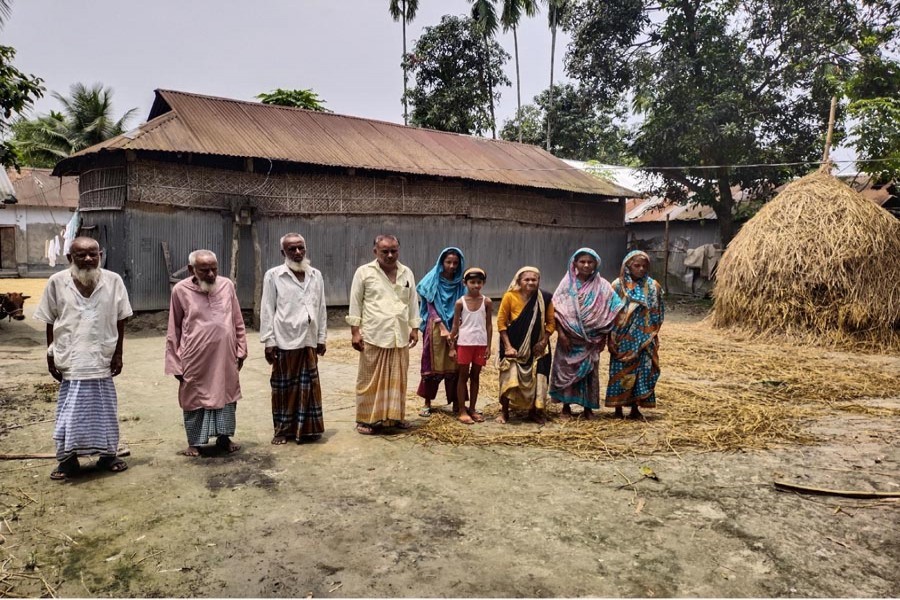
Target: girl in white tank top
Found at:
472, 332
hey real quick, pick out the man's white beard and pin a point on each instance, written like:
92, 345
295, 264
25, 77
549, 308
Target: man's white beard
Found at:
206, 287
297, 267
86, 277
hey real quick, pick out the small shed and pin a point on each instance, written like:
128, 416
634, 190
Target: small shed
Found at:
234, 176
33, 219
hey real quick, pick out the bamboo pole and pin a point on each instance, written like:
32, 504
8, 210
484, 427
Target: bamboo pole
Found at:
828, 136
666, 261
257, 274
235, 245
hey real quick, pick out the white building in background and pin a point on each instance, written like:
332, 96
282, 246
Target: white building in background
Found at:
34, 213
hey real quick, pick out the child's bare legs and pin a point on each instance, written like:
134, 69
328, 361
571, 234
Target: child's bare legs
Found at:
474, 376
462, 395
503, 417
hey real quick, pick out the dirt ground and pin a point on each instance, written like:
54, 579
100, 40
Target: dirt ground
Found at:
388, 516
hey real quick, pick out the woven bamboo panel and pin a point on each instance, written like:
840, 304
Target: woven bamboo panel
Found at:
286, 194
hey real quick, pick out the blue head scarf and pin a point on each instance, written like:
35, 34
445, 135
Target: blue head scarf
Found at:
441, 293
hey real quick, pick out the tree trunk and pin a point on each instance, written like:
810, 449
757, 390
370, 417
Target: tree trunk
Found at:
405, 74
552, 59
490, 86
725, 207
518, 84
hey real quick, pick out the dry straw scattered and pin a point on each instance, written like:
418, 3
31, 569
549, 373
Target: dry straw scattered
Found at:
818, 264
716, 393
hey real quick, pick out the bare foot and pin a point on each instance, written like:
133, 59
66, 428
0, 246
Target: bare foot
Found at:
618, 413
365, 429
537, 416
465, 418
635, 413
587, 414
223, 442
278, 440
566, 413
502, 418
191, 451
476, 416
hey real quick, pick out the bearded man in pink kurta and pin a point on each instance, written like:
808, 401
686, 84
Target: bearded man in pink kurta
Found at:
205, 349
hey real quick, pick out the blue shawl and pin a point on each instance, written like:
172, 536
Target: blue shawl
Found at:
439, 292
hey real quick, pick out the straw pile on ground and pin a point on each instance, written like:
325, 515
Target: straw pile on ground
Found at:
717, 393
818, 264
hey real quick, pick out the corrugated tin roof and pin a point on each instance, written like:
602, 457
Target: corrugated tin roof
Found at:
38, 187
184, 122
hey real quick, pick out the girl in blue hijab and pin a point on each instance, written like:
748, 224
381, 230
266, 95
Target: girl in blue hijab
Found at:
439, 290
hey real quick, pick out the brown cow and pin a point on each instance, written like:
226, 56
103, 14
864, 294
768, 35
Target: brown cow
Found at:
11, 305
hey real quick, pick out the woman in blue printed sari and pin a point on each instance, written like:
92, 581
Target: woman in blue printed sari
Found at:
634, 340
439, 289
586, 307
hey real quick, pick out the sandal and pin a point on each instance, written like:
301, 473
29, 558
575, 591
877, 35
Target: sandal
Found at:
425, 412
112, 463
365, 430
65, 469
403, 425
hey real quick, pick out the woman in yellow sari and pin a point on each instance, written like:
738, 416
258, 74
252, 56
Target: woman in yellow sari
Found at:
525, 321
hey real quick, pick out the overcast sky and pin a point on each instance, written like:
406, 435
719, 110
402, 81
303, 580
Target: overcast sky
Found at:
348, 51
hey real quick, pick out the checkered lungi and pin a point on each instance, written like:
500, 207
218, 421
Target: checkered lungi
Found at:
381, 385
296, 394
204, 423
86, 418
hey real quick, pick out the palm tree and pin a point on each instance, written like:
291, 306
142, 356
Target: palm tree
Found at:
404, 11
5, 11
86, 119
509, 18
88, 115
556, 9
41, 142
485, 15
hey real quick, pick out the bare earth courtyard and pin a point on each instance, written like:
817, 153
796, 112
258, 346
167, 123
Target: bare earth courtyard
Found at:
403, 516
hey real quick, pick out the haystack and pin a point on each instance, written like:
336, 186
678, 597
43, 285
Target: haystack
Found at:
820, 264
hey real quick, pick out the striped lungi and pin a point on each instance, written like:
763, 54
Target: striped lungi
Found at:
204, 423
86, 418
381, 385
296, 394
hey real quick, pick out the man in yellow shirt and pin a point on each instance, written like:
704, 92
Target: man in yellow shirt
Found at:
384, 320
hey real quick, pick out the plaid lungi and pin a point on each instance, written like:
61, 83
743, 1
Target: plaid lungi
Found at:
204, 423
381, 385
296, 394
86, 418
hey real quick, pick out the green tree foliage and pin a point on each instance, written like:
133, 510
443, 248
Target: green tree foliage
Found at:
43, 141
307, 99
718, 83
451, 69
18, 92
86, 119
873, 91
583, 130
404, 11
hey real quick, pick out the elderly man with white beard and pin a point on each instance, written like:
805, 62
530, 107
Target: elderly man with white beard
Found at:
292, 325
206, 345
85, 308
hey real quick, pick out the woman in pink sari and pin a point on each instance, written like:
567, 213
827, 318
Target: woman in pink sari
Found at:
586, 307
